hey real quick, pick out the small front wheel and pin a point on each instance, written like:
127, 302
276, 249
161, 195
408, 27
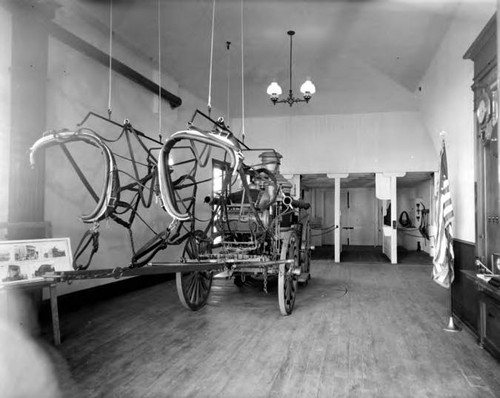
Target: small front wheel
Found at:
193, 288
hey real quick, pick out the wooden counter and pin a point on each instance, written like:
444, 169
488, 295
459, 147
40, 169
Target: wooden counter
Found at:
489, 313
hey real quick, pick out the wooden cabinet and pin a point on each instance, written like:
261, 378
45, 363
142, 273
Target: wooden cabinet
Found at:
465, 296
476, 302
489, 317
481, 311
484, 54
490, 328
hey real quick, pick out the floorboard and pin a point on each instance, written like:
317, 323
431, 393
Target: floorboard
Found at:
357, 330
370, 255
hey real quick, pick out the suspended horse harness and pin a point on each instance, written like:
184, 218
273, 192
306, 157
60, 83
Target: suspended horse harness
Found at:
111, 203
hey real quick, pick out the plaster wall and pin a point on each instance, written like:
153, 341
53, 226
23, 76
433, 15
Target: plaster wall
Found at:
5, 64
447, 105
356, 143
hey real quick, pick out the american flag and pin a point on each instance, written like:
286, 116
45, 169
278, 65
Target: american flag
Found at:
442, 272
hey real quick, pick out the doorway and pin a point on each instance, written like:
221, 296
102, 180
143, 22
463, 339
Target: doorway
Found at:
360, 229
361, 221
357, 221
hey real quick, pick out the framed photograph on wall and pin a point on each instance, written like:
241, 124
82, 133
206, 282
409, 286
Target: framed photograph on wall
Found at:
29, 260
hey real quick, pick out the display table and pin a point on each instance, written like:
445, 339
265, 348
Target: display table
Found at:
7, 297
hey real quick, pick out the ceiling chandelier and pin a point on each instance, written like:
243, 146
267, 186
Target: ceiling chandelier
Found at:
307, 89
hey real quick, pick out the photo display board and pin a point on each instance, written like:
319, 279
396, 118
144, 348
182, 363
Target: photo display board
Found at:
29, 260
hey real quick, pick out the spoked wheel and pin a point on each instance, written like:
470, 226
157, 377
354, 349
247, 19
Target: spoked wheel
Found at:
305, 253
287, 279
193, 288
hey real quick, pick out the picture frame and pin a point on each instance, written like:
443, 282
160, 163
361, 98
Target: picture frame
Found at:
23, 261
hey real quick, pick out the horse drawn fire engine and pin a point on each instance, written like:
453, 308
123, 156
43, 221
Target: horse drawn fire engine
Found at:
231, 216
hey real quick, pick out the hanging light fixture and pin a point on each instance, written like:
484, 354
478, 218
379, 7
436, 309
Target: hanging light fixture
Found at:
307, 89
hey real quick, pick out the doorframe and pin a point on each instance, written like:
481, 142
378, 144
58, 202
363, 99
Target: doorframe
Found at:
338, 227
386, 189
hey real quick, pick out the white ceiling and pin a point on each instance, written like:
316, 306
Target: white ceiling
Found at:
363, 56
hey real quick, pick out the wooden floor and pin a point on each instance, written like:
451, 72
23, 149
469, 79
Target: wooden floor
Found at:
357, 330
370, 255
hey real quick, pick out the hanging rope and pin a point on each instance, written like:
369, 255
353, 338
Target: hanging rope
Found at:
209, 104
242, 82
110, 55
159, 68
228, 46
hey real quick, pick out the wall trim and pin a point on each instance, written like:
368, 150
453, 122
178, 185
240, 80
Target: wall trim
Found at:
464, 242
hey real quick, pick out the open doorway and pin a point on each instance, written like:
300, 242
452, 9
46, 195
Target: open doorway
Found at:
361, 220
415, 211
319, 191
357, 222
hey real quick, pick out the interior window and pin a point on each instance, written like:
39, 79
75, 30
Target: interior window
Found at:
219, 172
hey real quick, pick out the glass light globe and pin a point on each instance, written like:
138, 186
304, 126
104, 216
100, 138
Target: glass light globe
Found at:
308, 88
274, 90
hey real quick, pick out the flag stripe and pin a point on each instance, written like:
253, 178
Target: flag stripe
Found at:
443, 272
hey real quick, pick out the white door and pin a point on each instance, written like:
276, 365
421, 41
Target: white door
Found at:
386, 191
358, 218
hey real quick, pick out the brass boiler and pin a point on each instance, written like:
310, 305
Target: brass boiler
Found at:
271, 160
239, 217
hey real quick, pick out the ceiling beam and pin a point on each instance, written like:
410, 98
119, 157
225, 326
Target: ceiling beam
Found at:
44, 12
96, 54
